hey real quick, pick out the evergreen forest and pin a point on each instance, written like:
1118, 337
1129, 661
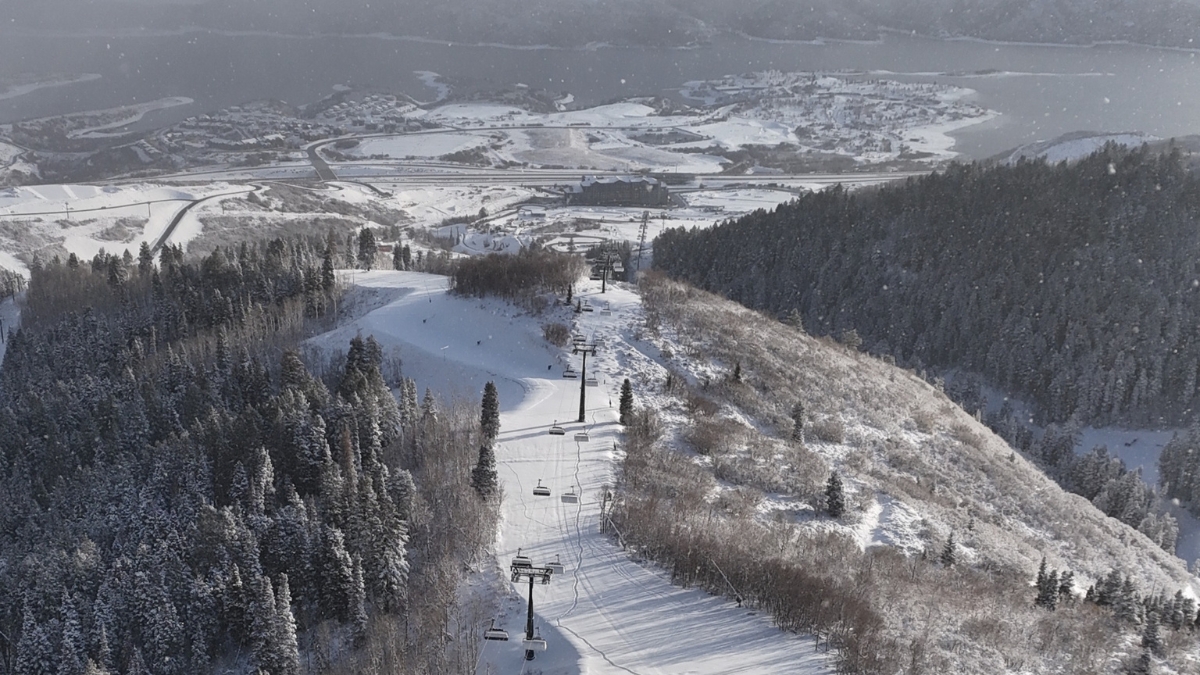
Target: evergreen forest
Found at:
1075, 287
181, 493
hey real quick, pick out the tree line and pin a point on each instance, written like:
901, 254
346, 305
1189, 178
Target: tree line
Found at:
1073, 286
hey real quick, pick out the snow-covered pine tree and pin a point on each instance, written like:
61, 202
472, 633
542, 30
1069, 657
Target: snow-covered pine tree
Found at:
328, 278
72, 650
264, 641
1066, 586
145, 260
626, 404
287, 648
408, 402
949, 556
1151, 640
798, 422
357, 602
367, 247
489, 417
402, 490
1044, 597
429, 408
397, 257
835, 498
483, 476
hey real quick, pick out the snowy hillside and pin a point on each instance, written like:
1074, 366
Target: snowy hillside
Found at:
917, 469
606, 614
1073, 146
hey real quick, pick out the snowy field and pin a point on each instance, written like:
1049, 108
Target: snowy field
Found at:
83, 219
420, 145
873, 121
604, 613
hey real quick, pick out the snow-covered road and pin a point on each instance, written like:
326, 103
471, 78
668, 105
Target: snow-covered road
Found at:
605, 613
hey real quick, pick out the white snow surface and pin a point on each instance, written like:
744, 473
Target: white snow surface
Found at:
420, 145
606, 614
83, 219
1072, 147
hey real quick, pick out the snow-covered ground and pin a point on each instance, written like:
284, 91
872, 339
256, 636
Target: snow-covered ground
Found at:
875, 121
604, 613
1075, 146
82, 219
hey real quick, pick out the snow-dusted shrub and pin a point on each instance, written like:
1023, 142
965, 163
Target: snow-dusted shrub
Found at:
713, 435
557, 334
830, 429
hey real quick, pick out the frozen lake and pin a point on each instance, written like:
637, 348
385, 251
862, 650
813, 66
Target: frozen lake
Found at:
1041, 91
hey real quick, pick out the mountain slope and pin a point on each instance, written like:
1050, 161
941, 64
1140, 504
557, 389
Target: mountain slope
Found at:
917, 470
677, 22
604, 613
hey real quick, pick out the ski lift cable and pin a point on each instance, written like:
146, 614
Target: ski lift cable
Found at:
482, 651
578, 533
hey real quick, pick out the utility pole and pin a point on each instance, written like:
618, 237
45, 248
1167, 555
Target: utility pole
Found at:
585, 349
543, 574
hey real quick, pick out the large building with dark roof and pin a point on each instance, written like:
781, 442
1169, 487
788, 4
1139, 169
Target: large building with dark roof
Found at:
619, 191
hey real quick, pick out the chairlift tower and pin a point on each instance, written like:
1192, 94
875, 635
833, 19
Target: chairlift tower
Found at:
522, 572
584, 348
609, 263
642, 239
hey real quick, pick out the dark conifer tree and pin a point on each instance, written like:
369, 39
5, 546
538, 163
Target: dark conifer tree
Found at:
145, 260
626, 403
835, 499
483, 476
798, 422
367, 248
949, 556
489, 422
1151, 640
328, 280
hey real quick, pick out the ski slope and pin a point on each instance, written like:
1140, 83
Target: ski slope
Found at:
605, 613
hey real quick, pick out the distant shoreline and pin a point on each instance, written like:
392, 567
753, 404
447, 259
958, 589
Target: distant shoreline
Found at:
15, 90
587, 47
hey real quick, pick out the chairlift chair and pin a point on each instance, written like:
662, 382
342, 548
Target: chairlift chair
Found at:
537, 644
595, 276
541, 490
521, 560
570, 374
578, 339
588, 308
591, 381
494, 633
570, 497
556, 430
582, 436
556, 567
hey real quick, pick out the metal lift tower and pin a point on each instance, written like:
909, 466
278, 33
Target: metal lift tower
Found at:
520, 571
585, 349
